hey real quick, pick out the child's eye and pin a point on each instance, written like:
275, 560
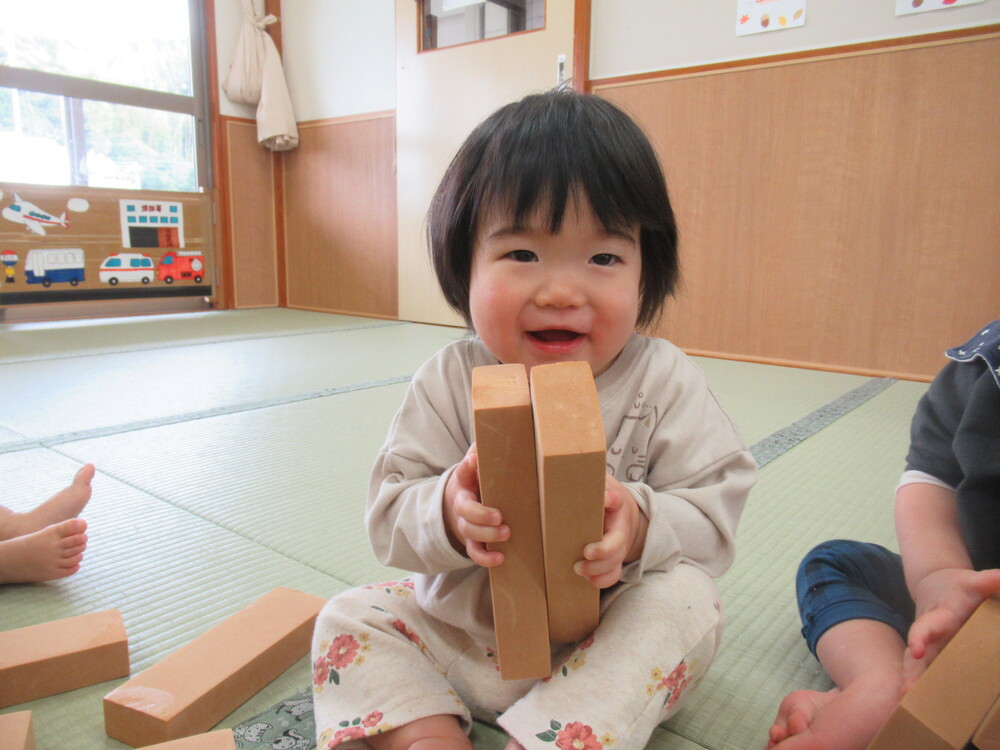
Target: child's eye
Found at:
522, 256
605, 259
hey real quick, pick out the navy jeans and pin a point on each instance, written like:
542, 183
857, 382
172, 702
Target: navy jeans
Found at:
844, 580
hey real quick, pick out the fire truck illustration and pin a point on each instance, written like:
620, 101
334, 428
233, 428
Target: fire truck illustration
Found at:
178, 264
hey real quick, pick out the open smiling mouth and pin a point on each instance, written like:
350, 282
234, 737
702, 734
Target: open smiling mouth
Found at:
555, 336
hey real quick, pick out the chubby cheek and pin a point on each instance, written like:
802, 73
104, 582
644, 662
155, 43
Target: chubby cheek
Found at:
494, 318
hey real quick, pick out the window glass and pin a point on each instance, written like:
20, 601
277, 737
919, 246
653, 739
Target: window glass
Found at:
103, 94
117, 41
56, 140
445, 23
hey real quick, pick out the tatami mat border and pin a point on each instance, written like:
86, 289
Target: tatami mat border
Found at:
206, 341
777, 443
72, 437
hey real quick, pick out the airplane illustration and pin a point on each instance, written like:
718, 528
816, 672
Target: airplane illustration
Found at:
33, 218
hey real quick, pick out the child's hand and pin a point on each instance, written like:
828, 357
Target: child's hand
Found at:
946, 599
624, 537
470, 524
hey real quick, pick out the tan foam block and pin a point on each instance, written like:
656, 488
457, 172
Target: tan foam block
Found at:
987, 736
508, 481
60, 655
222, 739
947, 704
195, 687
17, 731
570, 447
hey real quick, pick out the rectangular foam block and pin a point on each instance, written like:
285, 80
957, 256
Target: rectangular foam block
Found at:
221, 739
195, 687
17, 731
508, 481
60, 655
949, 701
570, 443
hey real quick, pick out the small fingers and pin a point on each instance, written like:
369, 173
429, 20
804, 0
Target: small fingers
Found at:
482, 556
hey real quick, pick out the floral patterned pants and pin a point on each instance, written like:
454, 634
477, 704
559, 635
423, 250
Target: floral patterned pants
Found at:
379, 662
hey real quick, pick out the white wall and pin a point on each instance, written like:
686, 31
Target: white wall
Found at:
339, 55
638, 36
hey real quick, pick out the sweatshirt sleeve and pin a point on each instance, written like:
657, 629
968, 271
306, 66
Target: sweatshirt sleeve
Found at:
429, 435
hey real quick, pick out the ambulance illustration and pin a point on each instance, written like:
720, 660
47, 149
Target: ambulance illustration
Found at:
134, 267
178, 264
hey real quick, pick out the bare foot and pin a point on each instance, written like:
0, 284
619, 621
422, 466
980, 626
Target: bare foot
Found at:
45, 555
65, 504
845, 719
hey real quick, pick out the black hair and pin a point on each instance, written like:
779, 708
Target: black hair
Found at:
535, 155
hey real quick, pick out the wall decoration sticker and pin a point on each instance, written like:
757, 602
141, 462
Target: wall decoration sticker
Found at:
756, 16
148, 223
77, 244
9, 259
34, 219
904, 7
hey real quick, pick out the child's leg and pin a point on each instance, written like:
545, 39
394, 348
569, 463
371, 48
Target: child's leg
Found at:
655, 642
65, 504
855, 610
53, 552
382, 673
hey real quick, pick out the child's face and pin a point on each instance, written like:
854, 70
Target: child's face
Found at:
537, 297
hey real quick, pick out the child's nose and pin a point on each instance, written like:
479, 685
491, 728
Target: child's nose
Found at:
559, 290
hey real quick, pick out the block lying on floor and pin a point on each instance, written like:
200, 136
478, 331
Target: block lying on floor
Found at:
508, 481
571, 448
60, 655
16, 731
195, 687
948, 702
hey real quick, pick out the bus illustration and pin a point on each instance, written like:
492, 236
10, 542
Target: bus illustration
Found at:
178, 264
134, 267
47, 266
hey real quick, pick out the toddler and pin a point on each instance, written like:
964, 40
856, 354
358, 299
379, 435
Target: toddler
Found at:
553, 236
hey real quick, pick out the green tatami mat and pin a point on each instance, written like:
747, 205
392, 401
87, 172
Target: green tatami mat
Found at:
49, 340
292, 477
172, 575
50, 399
762, 399
838, 483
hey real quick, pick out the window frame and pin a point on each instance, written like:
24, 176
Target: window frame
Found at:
197, 105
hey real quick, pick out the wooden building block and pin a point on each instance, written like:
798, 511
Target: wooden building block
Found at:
195, 687
16, 731
221, 739
987, 736
569, 441
948, 702
508, 481
60, 655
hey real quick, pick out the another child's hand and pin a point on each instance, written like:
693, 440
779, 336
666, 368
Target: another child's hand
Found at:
470, 524
624, 537
946, 599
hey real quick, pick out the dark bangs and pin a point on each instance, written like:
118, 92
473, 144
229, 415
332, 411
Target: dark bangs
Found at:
530, 158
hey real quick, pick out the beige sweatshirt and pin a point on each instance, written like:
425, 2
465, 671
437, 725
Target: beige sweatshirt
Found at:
669, 441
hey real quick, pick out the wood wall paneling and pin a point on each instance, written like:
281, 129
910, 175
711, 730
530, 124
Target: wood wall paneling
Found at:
340, 217
252, 226
835, 212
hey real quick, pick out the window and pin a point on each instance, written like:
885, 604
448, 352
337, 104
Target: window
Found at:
110, 93
446, 23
